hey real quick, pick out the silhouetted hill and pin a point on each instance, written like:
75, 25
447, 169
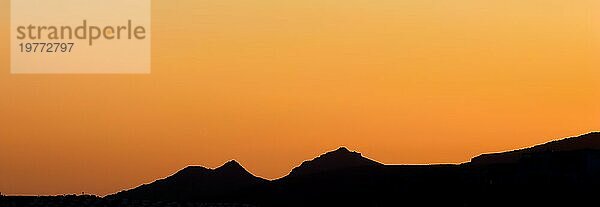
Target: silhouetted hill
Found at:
589, 141
548, 174
195, 183
339, 159
560, 173
94, 201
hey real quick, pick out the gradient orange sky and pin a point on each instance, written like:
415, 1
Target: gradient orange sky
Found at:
271, 83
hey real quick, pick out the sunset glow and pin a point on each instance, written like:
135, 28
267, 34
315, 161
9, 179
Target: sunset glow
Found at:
272, 83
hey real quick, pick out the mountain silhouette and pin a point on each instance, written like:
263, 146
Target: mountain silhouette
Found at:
559, 173
196, 182
589, 141
569, 168
339, 159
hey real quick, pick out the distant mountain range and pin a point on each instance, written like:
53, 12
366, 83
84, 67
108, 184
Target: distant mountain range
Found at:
559, 173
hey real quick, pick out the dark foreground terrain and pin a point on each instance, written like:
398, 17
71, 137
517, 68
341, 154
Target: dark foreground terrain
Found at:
560, 173
94, 201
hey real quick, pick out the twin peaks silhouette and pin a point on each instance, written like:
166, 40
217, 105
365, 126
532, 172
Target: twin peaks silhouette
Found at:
559, 173
200, 183
566, 168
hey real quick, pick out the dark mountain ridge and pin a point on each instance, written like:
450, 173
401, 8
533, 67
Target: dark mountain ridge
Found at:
334, 160
589, 141
195, 182
559, 173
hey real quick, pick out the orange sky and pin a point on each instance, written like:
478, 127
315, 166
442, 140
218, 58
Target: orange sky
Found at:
271, 83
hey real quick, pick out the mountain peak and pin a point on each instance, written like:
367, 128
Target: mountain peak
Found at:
231, 163
231, 166
340, 153
342, 150
334, 160
195, 182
